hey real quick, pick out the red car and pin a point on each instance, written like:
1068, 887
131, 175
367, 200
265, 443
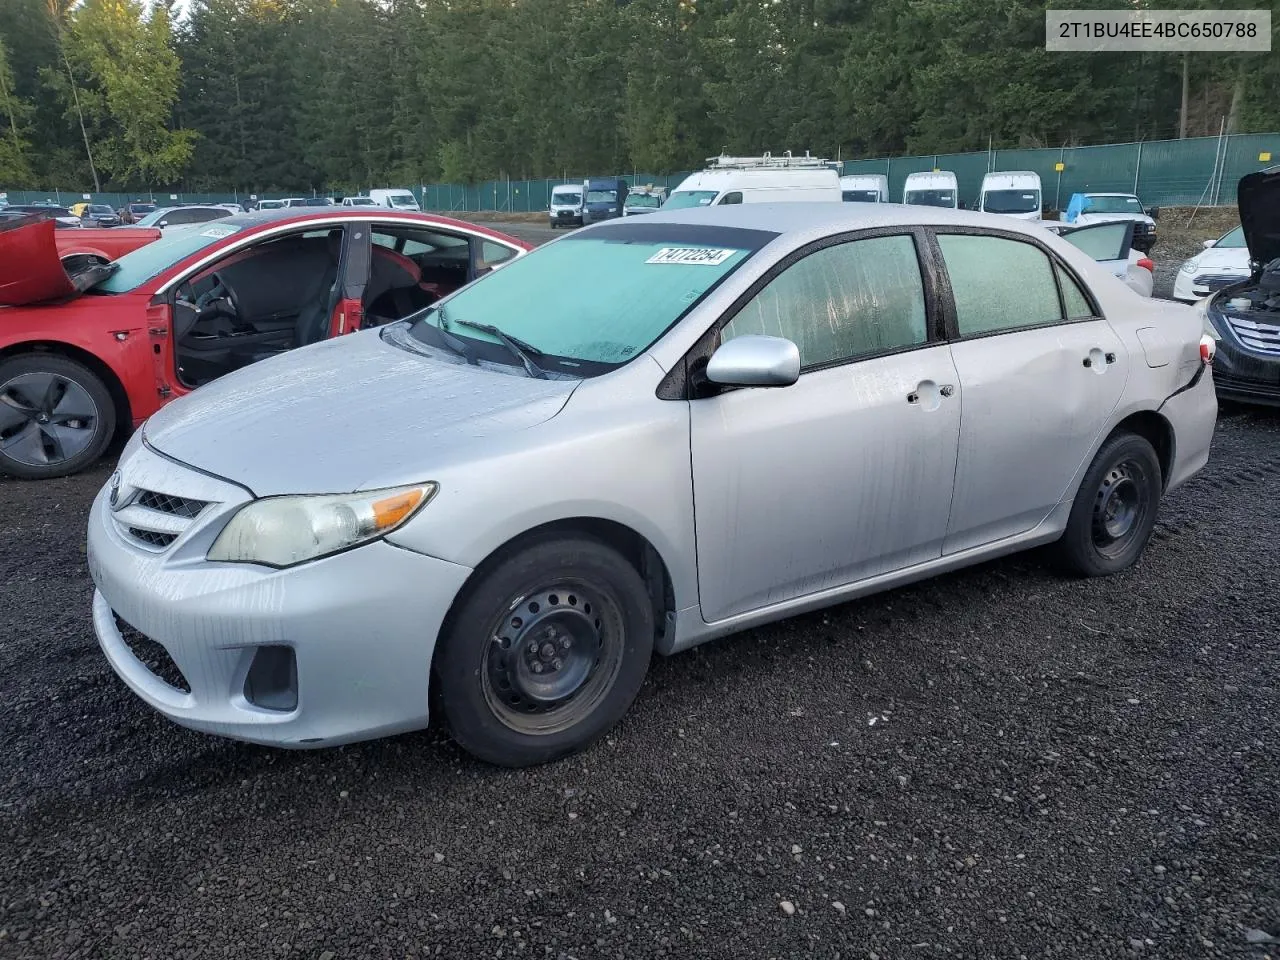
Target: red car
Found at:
89, 348
100, 244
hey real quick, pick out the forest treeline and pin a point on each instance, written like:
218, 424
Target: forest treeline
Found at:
297, 94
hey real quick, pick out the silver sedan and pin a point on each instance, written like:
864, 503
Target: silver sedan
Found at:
644, 435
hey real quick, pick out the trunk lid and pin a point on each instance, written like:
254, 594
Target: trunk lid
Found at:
31, 270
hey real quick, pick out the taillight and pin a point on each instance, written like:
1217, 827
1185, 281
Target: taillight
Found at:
1147, 264
1208, 346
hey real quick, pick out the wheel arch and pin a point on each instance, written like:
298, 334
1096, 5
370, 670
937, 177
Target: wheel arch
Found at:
630, 543
1156, 430
110, 379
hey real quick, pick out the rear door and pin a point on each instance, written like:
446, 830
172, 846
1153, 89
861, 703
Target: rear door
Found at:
1040, 372
846, 474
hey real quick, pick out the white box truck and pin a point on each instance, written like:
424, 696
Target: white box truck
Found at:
765, 179
865, 188
931, 189
1011, 193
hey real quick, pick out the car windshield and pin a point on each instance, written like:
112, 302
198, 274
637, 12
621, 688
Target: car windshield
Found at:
403, 200
314, 202
642, 200
271, 205
360, 202
602, 196
566, 199
859, 196
931, 198
595, 301
1011, 201
101, 208
691, 198
1112, 205
139, 266
1234, 240
142, 207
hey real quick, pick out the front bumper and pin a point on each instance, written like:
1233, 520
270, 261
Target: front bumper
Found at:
1243, 376
361, 626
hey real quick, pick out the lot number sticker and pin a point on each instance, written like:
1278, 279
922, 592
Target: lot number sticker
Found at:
702, 256
219, 232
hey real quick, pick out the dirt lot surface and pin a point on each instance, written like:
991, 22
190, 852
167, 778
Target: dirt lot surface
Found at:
996, 764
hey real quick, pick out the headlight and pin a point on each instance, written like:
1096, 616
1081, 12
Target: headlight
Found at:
283, 531
1190, 266
1202, 305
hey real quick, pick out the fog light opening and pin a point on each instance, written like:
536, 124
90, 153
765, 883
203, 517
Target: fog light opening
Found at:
272, 681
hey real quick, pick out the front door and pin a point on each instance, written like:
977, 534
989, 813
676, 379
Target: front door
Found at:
1040, 372
846, 474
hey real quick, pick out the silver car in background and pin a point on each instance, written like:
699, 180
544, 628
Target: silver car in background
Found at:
641, 436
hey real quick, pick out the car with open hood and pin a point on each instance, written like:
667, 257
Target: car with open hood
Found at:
1244, 317
642, 435
92, 343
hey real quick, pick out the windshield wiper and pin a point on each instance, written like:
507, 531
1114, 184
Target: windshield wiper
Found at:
455, 344
518, 348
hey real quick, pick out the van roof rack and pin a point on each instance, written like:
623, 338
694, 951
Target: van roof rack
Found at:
769, 162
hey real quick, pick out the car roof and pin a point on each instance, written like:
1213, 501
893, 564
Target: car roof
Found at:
803, 217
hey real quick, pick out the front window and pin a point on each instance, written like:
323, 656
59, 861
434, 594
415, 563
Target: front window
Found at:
602, 196
1233, 240
102, 210
360, 202
594, 301
643, 200
136, 268
1011, 201
142, 208
691, 198
566, 199
1112, 205
403, 201
860, 196
931, 198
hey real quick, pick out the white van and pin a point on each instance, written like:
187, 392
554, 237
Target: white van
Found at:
396, 199
865, 188
565, 209
766, 179
936, 189
1013, 193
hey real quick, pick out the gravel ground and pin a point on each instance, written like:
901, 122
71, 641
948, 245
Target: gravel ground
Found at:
996, 764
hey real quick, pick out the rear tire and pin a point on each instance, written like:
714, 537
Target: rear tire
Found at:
56, 416
546, 653
1114, 510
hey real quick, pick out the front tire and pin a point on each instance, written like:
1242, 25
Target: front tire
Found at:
546, 652
1114, 510
56, 416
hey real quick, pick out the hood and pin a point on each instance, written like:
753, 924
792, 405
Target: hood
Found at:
330, 417
1091, 217
31, 270
1223, 258
1258, 199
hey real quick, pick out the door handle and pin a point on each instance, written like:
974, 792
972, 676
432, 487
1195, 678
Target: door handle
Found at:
1109, 357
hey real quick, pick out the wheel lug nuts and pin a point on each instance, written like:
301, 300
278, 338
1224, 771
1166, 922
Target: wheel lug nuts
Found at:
564, 643
533, 648
536, 667
556, 663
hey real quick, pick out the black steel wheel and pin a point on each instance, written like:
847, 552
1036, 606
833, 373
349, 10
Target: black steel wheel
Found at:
1115, 508
545, 652
56, 416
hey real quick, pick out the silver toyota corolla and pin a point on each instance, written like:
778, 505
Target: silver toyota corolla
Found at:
643, 435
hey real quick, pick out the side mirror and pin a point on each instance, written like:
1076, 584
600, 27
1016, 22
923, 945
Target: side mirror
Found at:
755, 361
163, 223
1207, 244
1153, 213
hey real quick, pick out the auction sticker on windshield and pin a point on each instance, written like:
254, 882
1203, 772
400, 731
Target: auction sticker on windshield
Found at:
217, 233
701, 256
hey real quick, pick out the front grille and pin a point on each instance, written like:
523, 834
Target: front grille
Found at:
155, 520
152, 655
152, 537
1262, 337
183, 507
